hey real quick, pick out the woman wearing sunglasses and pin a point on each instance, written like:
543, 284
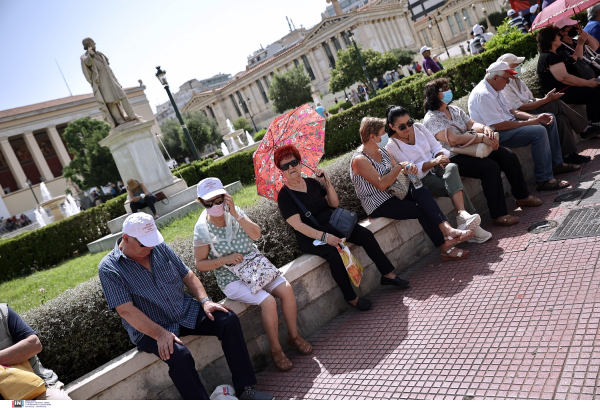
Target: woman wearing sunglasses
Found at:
373, 171
319, 197
413, 143
226, 227
441, 116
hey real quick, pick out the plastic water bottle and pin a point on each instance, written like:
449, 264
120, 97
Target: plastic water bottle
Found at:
417, 183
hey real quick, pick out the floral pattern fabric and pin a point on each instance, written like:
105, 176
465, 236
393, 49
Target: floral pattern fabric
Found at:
436, 121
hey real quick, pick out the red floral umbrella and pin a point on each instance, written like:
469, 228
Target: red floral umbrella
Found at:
304, 128
560, 9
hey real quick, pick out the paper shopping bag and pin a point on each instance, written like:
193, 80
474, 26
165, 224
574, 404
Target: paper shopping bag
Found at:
353, 267
18, 382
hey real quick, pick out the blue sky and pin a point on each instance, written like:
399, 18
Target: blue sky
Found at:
189, 39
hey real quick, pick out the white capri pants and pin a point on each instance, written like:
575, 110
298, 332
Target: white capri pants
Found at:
238, 291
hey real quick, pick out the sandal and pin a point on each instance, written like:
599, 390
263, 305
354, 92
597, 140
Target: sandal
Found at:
548, 185
506, 221
530, 201
458, 256
281, 361
565, 168
300, 344
463, 236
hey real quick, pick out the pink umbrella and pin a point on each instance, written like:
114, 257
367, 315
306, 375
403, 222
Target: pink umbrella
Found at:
560, 9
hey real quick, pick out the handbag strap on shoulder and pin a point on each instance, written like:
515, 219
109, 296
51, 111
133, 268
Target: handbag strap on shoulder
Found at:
307, 213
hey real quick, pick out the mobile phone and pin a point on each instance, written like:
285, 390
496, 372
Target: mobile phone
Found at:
226, 207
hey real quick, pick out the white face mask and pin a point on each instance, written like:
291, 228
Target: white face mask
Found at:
384, 141
216, 210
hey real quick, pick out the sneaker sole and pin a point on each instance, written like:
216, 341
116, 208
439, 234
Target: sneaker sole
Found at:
471, 225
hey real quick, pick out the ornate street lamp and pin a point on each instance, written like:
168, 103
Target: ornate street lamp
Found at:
439, 16
162, 77
32, 192
243, 104
362, 64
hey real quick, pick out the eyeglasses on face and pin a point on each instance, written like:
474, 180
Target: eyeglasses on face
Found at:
293, 163
138, 241
403, 126
444, 88
215, 201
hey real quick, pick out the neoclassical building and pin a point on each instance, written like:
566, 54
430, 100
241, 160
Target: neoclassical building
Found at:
380, 25
32, 149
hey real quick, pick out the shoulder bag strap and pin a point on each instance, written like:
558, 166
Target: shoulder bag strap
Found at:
307, 213
475, 135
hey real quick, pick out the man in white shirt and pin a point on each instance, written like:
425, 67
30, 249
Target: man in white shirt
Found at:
487, 105
520, 97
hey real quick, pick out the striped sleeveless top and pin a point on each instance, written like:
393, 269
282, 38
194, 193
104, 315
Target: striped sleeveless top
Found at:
370, 197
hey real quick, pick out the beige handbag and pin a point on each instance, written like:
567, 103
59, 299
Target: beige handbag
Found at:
479, 150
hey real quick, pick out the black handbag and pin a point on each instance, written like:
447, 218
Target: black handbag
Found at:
584, 70
342, 220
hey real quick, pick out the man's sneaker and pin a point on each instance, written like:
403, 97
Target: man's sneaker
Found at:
251, 393
466, 221
481, 236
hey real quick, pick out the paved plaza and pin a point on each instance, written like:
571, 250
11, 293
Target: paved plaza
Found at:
519, 319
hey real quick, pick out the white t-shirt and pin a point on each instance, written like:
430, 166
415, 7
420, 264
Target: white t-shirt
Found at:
488, 106
517, 93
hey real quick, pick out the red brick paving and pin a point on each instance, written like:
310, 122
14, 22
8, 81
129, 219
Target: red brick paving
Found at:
519, 319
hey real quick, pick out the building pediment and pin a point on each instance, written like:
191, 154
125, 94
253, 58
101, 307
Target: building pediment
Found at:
198, 99
375, 4
324, 26
451, 4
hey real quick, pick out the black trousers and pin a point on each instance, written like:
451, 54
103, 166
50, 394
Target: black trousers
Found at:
148, 202
488, 171
582, 95
182, 368
419, 204
360, 236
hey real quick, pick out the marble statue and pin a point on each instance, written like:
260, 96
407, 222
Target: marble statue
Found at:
110, 97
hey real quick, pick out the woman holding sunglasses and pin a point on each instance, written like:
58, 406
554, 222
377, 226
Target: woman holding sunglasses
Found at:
441, 116
227, 228
319, 197
412, 142
373, 170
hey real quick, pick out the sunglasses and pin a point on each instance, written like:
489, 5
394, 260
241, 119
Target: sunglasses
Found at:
403, 126
138, 241
287, 165
444, 88
215, 201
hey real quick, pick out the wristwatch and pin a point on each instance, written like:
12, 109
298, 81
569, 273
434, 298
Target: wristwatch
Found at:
204, 300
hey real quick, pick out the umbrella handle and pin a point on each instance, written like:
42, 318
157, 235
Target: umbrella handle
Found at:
313, 170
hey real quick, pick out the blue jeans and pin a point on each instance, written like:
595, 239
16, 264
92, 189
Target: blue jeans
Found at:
545, 147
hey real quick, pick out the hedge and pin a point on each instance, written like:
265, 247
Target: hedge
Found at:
333, 110
49, 245
402, 82
259, 135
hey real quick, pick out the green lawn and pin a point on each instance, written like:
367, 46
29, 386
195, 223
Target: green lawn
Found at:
23, 294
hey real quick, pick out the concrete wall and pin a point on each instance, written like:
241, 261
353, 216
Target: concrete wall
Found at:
138, 375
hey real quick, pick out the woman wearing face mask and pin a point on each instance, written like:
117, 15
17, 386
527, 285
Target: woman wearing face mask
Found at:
441, 116
227, 228
572, 47
373, 171
412, 142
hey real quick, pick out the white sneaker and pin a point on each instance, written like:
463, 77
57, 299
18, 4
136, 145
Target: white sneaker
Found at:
466, 221
481, 236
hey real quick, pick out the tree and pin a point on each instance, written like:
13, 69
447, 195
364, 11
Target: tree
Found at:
242, 123
290, 89
92, 164
404, 57
203, 130
507, 34
348, 70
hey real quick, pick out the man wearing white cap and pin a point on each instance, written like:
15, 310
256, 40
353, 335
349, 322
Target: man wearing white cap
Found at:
476, 46
568, 121
517, 21
142, 279
429, 65
487, 105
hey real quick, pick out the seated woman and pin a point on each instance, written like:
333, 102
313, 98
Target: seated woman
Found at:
319, 197
224, 227
413, 143
441, 116
553, 74
140, 197
373, 170
571, 47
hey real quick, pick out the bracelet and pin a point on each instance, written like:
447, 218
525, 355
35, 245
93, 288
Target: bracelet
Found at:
240, 217
324, 237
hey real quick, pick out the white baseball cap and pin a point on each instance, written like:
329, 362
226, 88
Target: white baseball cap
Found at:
565, 21
510, 59
210, 187
424, 48
534, 8
142, 227
510, 12
477, 29
501, 66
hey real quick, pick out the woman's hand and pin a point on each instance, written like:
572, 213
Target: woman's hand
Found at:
333, 240
232, 259
321, 176
489, 132
412, 168
493, 143
229, 202
592, 83
135, 199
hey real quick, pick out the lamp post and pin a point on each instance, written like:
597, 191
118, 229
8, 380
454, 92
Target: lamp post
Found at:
439, 15
32, 192
162, 77
243, 104
362, 64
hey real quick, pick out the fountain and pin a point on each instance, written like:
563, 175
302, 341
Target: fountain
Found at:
232, 139
224, 149
249, 138
52, 204
71, 207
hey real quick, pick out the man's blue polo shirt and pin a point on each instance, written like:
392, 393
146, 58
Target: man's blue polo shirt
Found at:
158, 294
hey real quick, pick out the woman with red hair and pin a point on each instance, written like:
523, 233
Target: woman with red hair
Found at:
319, 197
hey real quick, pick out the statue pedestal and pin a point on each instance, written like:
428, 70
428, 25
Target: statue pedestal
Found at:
138, 157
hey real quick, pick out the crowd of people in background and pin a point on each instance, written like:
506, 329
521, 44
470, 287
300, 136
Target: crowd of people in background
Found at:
13, 223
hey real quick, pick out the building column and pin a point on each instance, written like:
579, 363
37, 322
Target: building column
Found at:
13, 163
257, 98
216, 107
397, 35
408, 22
316, 69
384, 34
59, 146
332, 48
38, 156
341, 41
